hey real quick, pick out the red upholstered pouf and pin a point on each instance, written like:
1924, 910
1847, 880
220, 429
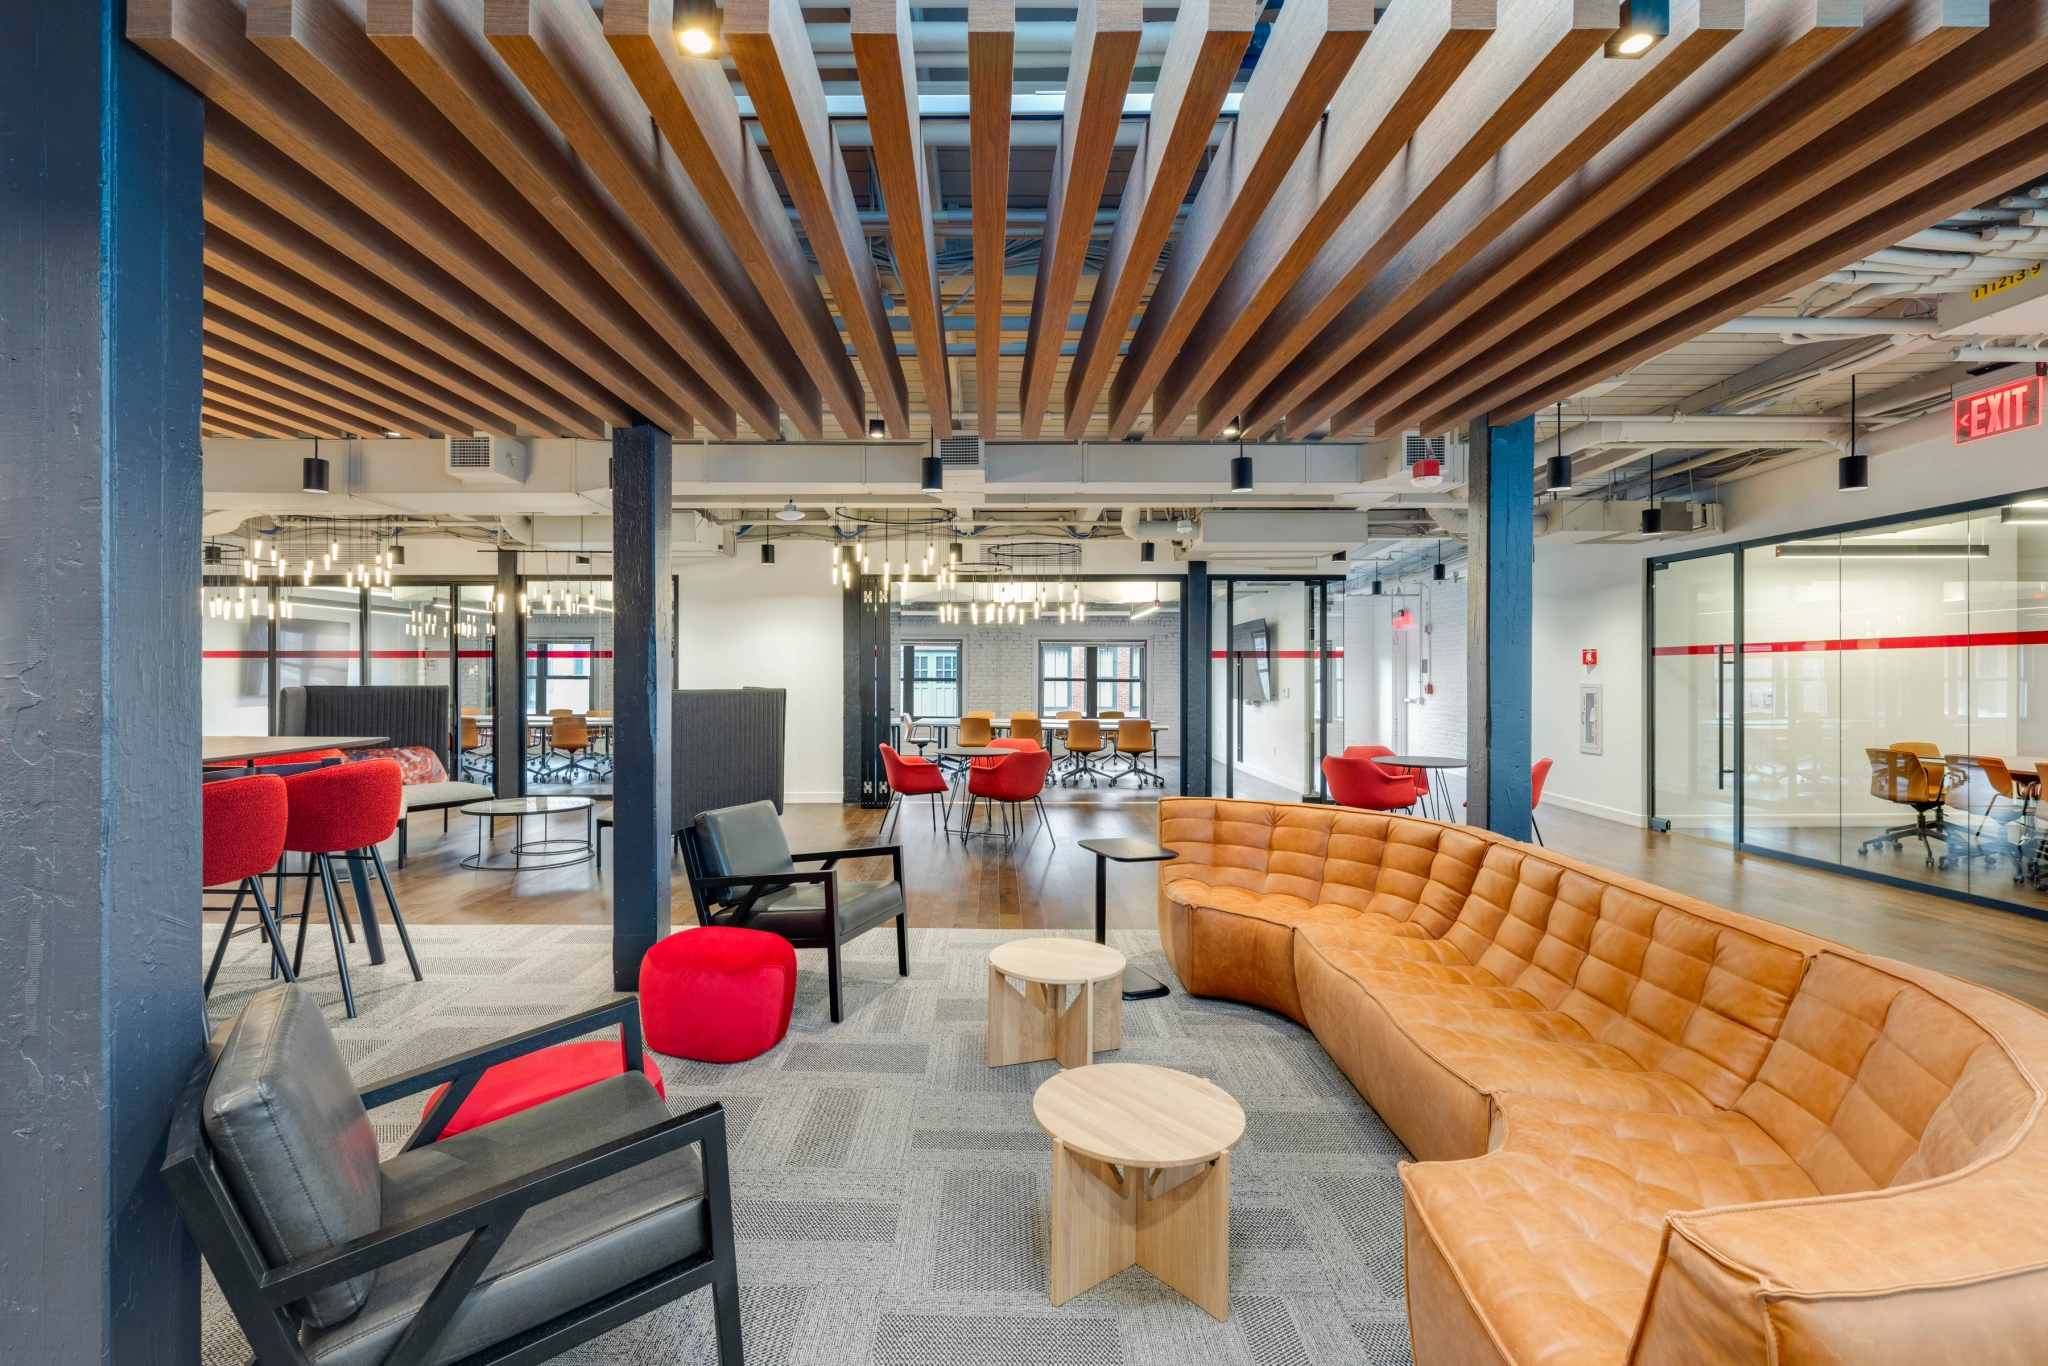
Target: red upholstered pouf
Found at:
540, 1076
717, 994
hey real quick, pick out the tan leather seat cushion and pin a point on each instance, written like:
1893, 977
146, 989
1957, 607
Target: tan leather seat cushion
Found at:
1553, 1236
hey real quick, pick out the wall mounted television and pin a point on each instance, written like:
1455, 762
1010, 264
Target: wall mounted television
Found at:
1251, 645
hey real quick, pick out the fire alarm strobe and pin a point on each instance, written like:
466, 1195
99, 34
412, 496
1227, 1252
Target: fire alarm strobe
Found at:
1589, 657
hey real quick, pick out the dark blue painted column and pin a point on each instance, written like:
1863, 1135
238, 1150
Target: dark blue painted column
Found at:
643, 674
1195, 672
1501, 495
508, 682
101, 1021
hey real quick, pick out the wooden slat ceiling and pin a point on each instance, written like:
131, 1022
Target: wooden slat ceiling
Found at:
542, 217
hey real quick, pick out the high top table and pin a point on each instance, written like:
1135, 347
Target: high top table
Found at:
250, 749
1434, 765
1138, 986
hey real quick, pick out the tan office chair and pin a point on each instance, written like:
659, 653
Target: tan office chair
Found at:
569, 740
472, 711
474, 754
1066, 715
1978, 783
1929, 755
1898, 775
1133, 748
1109, 716
985, 715
976, 730
1024, 725
1084, 742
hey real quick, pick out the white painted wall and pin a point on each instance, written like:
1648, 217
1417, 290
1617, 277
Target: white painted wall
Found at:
1589, 597
741, 623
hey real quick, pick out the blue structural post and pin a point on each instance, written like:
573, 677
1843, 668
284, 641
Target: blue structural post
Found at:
643, 679
1501, 495
100, 936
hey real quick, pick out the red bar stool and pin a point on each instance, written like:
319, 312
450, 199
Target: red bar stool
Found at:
348, 811
243, 822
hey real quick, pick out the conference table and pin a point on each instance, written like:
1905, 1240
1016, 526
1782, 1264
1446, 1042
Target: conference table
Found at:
1001, 726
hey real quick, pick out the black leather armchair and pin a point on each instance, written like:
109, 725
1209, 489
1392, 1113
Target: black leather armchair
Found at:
510, 1242
742, 873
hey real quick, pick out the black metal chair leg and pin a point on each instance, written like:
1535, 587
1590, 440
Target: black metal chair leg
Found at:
832, 978
271, 931
1039, 802
305, 915
377, 862
330, 891
903, 945
1535, 827
725, 1314
403, 820
227, 932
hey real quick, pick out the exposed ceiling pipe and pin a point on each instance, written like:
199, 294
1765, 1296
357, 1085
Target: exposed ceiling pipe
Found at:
934, 38
1457, 522
1974, 352
1787, 326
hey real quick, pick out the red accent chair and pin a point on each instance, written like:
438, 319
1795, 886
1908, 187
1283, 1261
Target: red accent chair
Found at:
1538, 771
1367, 785
242, 824
717, 993
346, 811
1420, 775
1011, 780
912, 776
537, 1078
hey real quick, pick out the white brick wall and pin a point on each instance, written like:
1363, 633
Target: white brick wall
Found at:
999, 664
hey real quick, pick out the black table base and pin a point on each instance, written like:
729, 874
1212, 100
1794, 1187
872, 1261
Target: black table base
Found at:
1138, 986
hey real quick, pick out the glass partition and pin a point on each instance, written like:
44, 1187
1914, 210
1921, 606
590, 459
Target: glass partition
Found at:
1276, 695
320, 644
409, 626
1884, 699
234, 670
475, 631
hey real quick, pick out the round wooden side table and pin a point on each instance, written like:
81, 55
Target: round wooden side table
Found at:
1067, 1004
1140, 1176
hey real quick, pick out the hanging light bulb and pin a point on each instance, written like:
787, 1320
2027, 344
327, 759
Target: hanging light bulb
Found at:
287, 610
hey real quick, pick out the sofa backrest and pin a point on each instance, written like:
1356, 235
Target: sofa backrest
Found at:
1676, 990
1411, 870
412, 715
1876, 1082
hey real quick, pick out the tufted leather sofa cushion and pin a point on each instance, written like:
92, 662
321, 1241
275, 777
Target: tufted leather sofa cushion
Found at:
1646, 1123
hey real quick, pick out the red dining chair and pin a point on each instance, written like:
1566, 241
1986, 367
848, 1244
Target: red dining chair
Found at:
1367, 785
344, 811
1420, 775
1538, 771
242, 824
911, 776
1015, 778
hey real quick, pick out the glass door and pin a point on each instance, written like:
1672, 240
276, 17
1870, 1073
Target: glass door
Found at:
1695, 692
1276, 686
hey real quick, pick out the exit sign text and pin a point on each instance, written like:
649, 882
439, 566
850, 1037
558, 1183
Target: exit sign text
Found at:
1992, 412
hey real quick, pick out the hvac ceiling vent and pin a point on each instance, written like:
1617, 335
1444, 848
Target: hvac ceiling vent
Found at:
960, 452
485, 459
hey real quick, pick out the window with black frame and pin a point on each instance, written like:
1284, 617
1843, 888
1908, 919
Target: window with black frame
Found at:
1091, 679
932, 677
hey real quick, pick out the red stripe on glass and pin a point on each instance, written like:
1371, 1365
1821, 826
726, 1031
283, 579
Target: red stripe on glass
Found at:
1793, 647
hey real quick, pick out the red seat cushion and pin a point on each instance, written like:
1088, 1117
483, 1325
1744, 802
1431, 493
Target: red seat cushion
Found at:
347, 806
243, 824
538, 1077
717, 993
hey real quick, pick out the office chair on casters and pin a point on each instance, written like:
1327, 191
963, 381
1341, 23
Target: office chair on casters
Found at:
1084, 742
1978, 784
1133, 747
1899, 776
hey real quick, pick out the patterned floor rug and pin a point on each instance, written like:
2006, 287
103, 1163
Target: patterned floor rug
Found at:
892, 1192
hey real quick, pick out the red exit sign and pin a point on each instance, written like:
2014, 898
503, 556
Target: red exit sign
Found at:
2005, 408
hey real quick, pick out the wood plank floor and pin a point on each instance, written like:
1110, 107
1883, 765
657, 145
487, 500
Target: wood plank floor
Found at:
1043, 882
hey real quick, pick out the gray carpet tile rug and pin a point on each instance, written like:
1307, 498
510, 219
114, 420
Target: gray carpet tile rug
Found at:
891, 1191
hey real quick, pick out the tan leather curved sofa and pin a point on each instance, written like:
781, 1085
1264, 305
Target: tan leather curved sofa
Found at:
1649, 1130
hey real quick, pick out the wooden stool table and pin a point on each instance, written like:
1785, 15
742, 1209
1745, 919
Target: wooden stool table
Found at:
1042, 1020
1140, 1176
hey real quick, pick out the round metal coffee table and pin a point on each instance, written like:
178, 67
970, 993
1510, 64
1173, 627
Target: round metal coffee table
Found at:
530, 855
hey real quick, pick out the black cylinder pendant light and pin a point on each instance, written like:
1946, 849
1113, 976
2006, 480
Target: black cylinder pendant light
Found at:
313, 472
1852, 471
934, 474
1240, 473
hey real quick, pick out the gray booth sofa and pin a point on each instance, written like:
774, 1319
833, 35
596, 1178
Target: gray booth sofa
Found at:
507, 1243
412, 715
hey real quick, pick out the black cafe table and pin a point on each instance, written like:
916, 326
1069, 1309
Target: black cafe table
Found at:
1434, 765
1138, 986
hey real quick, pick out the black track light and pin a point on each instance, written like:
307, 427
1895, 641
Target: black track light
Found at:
1644, 24
877, 429
934, 474
1232, 428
